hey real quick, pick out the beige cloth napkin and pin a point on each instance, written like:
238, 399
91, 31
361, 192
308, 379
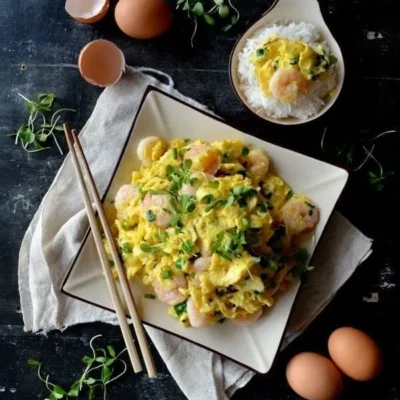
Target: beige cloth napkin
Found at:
56, 231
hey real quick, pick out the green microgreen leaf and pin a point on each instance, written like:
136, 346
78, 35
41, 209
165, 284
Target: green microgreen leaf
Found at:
195, 182
198, 9
180, 263
146, 248
150, 216
111, 351
230, 200
214, 184
126, 248
167, 274
223, 11
32, 361
188, 247
209, 20
207, 199
106, 373
175, 219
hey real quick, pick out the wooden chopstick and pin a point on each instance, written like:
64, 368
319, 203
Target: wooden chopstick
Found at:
126, 332
126, 289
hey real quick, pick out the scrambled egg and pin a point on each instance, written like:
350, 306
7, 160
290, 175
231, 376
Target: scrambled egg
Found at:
203, 226
293, 57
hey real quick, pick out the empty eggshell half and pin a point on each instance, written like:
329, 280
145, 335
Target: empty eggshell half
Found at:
87, 11
101, 63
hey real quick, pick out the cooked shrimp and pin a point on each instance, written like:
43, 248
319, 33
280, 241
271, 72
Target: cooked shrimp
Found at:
201, 264
300, 215
257, 164
168, 292
159, 204
150, 149
125, 193
180, 280
286, 83
248, 319
204, 158
196, 318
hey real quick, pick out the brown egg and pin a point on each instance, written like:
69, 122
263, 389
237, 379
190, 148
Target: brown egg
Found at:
101, 63
314, 377
143, 19
87, 11
355, 353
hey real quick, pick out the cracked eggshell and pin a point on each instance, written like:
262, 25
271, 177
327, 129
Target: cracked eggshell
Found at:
101, 63
87, 11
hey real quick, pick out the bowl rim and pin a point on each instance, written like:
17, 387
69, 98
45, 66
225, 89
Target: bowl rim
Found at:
149, 89
284, 121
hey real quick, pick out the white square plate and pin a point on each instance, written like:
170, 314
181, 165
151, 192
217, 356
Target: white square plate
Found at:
162, 115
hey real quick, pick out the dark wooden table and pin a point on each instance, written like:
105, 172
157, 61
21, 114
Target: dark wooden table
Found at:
39, 46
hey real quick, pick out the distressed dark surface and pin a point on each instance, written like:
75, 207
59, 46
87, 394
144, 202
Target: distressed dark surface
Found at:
39, 34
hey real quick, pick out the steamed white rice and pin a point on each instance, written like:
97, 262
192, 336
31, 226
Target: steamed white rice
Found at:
306, 104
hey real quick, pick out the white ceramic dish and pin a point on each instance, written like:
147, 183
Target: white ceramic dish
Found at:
283, 12
160, 114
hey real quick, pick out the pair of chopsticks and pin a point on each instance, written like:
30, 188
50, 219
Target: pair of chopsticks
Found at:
82, 167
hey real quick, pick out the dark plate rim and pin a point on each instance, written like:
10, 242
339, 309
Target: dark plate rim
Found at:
148, 90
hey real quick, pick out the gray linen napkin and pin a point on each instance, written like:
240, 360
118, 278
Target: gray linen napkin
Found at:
57, 229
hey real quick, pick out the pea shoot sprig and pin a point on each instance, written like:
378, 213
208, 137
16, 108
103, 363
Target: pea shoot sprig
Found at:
348, 149
42, 123
101, 360
222, 12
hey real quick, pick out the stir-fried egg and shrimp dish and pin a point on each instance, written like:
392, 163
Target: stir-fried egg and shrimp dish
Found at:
287, 71
210, 230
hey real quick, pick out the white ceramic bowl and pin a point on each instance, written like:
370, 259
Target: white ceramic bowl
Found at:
284, 12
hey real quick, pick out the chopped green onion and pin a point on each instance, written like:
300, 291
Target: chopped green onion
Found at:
149, 296
245, 150
259, 52
332, 59
169, 169
174, 153
180, 308
111, 263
